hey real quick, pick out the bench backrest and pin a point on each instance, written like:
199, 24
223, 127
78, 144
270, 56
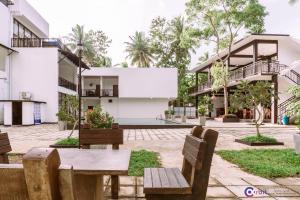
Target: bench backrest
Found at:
198, 153
112, 137
4, 147
40, 177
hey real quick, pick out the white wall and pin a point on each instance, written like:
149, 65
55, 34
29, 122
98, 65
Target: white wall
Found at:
5, 25
35, 70
130, 107
141, 82
7, 113
288, 51
28, 16
27, 113
68, 71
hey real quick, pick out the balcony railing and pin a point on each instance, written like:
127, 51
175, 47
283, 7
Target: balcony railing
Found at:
38, 42
67, 84
7, 2
258, 68
100, 93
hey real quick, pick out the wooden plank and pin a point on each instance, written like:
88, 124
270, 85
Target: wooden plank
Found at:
12, 182
101, 136
155, 178
41, 173
147, 178
172, 179
4, 142
180, 178
193, 150
163, 178
3, 136
4, 158
67, 183
114, 186
85, 186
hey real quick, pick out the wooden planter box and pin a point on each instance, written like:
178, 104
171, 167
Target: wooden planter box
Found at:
258, 143
228, 119
101, 136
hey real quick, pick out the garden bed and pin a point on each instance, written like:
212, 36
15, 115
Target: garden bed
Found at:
259, 141
66, 143
269, 163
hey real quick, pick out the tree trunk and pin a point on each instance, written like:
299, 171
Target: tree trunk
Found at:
226, 100
74, 126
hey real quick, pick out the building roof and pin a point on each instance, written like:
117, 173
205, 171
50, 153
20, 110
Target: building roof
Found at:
73, 58
240, 43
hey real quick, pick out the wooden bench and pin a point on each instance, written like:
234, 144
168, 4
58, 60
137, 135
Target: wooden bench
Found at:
112, 137
192, 181
40, 177
4, 148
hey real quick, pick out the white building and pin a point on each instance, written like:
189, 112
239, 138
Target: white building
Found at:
271, 57
35, 71
130, 92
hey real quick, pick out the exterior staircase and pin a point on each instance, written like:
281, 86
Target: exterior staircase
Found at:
293, 76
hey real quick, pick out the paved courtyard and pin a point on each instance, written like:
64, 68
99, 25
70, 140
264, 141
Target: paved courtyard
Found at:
227, 180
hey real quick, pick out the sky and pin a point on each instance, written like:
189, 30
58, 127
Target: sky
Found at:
121, 18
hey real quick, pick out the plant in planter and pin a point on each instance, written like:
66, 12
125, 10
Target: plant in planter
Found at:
101, 131
62, 118
202, 111
172, 112
167, 112
294, 110
257, 97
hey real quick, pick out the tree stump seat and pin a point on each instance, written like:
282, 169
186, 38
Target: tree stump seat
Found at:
4, 148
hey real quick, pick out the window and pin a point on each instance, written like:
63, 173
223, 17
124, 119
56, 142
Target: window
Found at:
20, 31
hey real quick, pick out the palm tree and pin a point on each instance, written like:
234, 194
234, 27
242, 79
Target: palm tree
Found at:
138, 50
293, 1
79, 36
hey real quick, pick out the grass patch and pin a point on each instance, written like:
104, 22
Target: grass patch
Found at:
259, 139
142, 159
269, 163
68, 141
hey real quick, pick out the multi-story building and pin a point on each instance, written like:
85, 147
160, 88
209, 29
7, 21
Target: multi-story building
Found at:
130, 92
269, 57
35, 71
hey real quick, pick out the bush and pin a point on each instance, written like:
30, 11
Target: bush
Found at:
202, 110
98, 119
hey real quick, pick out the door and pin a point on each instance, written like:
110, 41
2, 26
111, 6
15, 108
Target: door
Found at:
17, 113
115, 90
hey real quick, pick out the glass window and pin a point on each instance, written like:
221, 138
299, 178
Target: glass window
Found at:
16, 30
21, 31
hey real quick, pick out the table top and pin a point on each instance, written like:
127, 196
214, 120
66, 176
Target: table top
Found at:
96, 161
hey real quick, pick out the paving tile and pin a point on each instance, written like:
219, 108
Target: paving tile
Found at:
288, 181
213, 182
240, 191
287, 198
140, 191
258, 181
127, 191
218, 191
127, 180
295, 188
279, 191
140, 181
231, 181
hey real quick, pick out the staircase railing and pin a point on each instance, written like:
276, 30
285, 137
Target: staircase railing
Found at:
283, 107
293, 76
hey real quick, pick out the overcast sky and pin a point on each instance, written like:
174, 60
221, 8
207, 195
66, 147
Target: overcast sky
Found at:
121, 18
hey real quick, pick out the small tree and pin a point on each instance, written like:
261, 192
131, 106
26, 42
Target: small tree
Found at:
253, 96
294, 108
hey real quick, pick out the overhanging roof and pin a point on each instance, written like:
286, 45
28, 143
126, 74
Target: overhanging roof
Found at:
237, 45
8, 48
73, 58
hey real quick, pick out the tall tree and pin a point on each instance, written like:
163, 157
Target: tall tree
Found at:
138, 50
95, 44
172, 47
220, 22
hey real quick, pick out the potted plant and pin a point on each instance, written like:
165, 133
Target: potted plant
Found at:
101, 129
167, 114
202, 111
172, 112
62, 119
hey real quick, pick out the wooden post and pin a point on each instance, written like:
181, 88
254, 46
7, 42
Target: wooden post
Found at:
67, 183
274, 100
115, 182
41, 173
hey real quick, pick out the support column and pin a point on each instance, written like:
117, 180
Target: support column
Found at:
274, 107
197, 104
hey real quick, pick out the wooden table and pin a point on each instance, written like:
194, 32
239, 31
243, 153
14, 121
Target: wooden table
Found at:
90, 165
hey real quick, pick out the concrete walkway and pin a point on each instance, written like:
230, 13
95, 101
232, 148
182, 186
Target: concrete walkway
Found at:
227, 180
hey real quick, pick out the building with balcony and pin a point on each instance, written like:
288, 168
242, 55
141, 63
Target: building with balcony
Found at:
129, 92
268, 57
35, 71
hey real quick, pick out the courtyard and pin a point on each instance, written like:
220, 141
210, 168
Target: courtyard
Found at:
227, 181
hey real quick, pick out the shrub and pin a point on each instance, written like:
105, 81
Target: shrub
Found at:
99, 119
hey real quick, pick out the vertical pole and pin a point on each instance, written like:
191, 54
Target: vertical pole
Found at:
79, 97
274, 108
197, 104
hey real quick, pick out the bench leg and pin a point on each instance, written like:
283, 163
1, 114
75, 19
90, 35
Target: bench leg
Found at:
168, 197
115, 185
4, 159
